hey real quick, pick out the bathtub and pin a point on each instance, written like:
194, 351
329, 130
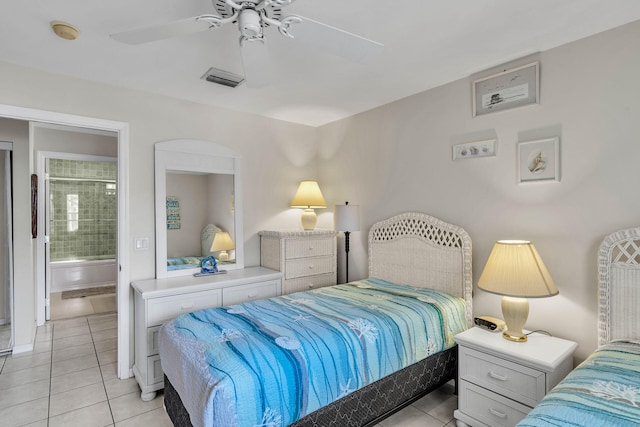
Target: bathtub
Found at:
79, 274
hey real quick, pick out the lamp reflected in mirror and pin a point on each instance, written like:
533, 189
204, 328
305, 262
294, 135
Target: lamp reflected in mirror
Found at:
222, 243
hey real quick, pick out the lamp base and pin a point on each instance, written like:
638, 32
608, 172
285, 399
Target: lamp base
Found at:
309, 219
223, 256
515, 312
507, 336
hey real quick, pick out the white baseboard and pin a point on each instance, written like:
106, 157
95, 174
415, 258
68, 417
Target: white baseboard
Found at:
22, 348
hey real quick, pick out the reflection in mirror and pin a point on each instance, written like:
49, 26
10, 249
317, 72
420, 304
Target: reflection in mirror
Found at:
197, 198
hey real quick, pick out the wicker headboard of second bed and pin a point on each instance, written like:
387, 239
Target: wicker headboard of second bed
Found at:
419, 250
619, 286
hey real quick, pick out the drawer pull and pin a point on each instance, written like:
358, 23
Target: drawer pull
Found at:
498, 376
497, 413
310, 248
250, 296
310, 266
311, 285
186, 306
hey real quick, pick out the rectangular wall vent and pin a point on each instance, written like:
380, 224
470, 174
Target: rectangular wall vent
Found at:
222, 77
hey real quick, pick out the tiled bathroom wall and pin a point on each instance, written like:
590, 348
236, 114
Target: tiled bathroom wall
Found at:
83, 209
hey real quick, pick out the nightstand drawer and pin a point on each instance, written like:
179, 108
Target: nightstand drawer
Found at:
152, 340
509, 379
154, 370
490, 408
308, 267
301, 248
162, 309
240, 294
308, 283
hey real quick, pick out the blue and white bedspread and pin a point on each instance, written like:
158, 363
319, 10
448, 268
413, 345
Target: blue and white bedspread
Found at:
603, 391
273, 361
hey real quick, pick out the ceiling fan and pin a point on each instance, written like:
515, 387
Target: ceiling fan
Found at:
252, 18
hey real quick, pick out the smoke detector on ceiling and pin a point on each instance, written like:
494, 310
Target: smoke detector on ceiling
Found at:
64, 30
222, 77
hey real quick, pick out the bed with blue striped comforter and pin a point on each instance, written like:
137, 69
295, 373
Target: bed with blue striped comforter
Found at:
273, 361
603, 391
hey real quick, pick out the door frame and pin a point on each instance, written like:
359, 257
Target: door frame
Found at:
35, 117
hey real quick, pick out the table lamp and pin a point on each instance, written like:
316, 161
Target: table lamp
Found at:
347, 219
516, 271
222, 243
308, 197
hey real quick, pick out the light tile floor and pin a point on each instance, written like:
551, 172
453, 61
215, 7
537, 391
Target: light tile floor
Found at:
74, 307
70, 380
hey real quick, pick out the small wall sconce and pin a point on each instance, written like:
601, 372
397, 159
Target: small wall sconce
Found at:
308, 197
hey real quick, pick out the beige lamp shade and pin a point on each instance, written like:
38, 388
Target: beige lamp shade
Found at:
222, 243
308, 197
515, 269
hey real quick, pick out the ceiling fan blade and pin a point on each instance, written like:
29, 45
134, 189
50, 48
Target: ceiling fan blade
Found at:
162, 31
336, 41
257, 64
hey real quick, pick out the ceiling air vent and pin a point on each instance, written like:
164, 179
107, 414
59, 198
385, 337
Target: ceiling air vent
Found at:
222, 77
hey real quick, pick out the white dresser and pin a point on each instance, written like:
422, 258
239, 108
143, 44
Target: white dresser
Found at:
500, 381
160, 300
307, 258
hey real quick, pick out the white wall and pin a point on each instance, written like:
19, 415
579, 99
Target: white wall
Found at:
398, 158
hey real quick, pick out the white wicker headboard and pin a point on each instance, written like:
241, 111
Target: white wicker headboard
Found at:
419, 250
619, 286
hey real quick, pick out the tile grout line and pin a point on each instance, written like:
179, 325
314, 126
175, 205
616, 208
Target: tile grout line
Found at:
53, 328
104, 386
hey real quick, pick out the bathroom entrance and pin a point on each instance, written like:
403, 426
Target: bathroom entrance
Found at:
80, 235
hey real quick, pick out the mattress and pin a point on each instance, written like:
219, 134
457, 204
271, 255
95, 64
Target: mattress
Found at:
271, 362
603, 391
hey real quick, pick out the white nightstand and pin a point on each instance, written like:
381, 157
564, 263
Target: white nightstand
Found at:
500, 381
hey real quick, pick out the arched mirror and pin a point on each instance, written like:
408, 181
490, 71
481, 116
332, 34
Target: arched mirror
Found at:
198, 207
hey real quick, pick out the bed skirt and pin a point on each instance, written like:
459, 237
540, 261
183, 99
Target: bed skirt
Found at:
364, 407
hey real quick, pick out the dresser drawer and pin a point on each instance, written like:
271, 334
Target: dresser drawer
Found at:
509, 379
308, 283
490, 408
160, 310
240, 294
308, 267
301, 248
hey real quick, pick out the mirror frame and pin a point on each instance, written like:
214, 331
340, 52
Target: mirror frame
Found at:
192, 155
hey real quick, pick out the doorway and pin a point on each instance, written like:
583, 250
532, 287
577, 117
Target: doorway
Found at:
80, 224
39, 117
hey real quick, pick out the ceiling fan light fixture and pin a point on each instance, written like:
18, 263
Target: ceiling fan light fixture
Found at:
249, 23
